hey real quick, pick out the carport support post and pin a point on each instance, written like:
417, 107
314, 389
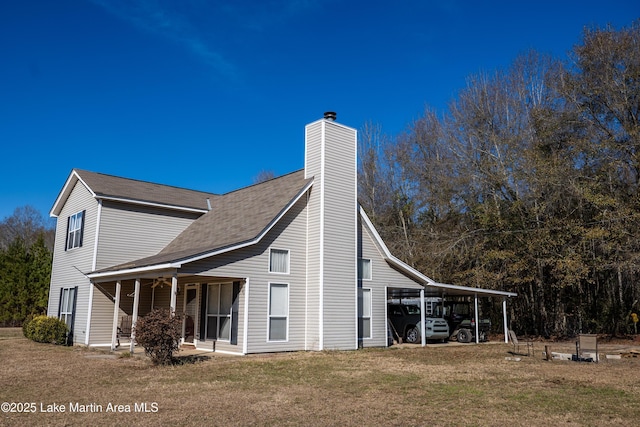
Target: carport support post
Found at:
422, 319
116, 315
504, 320
134, 318
475, 306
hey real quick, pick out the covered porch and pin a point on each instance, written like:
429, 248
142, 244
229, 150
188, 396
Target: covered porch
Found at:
209, 307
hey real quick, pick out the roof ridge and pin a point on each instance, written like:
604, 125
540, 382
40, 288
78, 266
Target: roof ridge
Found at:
80, 171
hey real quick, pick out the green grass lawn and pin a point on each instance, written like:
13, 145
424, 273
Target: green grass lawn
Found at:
438, 385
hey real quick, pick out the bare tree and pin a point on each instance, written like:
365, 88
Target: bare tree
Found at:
26, 223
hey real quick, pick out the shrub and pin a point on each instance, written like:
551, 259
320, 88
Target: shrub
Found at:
46, 330
159, 334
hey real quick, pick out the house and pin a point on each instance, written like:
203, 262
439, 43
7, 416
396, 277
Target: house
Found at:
289, 264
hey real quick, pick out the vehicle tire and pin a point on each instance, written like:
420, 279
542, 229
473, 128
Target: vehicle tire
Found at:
412, 335
464, 335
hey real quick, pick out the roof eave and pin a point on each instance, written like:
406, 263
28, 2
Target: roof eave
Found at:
152, 204
133, 271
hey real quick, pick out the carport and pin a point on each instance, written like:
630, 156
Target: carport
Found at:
443, 290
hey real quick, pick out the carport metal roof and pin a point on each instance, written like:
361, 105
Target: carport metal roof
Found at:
444, 289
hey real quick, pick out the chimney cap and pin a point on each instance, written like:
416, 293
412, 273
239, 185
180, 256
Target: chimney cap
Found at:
330, 115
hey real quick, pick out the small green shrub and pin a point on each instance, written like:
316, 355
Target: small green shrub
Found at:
159, 334
46, 330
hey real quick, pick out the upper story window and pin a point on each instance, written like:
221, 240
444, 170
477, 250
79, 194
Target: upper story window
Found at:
75, 230
364, 269
279, 261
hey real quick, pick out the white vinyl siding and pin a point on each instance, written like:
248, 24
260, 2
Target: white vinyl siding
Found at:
69, 266
279, 261
339, 229
129, 232
385, 276
278, 311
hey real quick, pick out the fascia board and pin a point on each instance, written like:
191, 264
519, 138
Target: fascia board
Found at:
66, 191
157, 205
134, 271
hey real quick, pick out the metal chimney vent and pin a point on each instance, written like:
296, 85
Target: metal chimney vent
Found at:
330, 115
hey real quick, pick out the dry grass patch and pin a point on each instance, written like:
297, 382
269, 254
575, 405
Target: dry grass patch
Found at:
447, 385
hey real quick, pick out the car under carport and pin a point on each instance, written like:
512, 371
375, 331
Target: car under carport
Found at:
442, 291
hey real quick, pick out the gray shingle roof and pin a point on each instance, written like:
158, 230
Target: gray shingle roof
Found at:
235, 218
130, 189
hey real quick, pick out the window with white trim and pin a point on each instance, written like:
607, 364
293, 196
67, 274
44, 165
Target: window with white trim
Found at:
278, 311
67, 299
219, 305
75, 229
364, 306
364, 269
279, 261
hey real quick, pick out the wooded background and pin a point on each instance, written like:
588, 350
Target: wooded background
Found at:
527, 183
26, 249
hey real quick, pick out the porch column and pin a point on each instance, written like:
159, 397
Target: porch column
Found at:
475, 301
174, 293
422, 319
504, 320
116, 312
134, 318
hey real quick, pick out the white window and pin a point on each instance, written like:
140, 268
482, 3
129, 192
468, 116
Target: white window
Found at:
75, 228
67, 300
279, 261
219, 304
278, 311
364, 305
364, 269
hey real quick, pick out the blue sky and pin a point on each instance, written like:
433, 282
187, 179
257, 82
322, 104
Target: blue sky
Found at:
206, 94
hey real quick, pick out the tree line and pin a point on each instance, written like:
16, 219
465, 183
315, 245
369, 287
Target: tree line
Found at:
26, 252
527, 183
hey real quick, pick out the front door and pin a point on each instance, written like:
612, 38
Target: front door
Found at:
189, 322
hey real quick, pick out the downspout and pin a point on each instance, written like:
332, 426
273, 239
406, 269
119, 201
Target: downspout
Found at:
306, 281
386, 317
